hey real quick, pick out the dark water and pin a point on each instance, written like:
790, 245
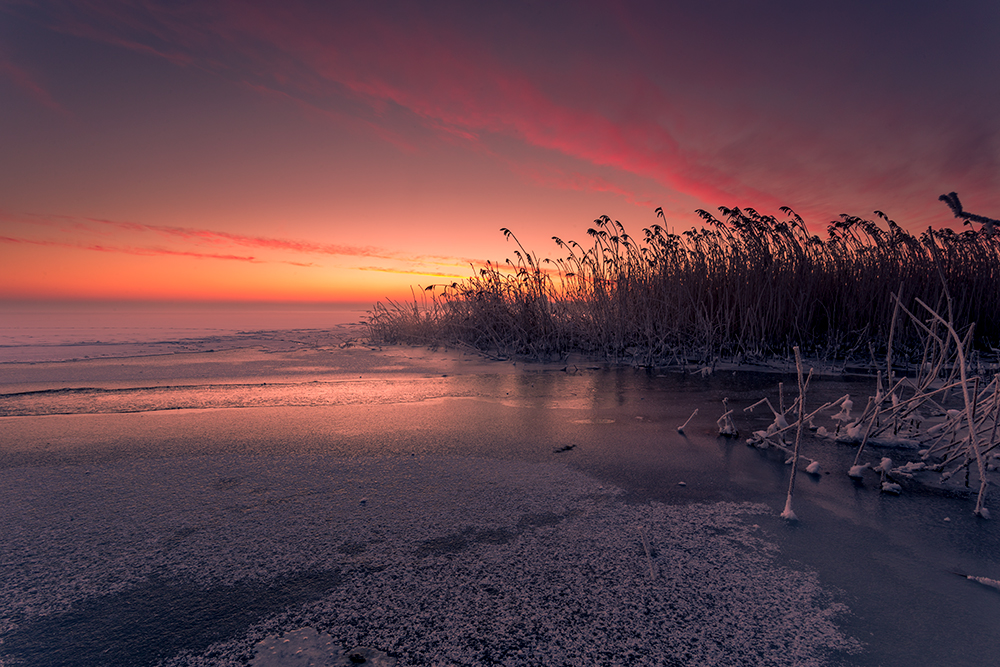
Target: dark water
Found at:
157, 620
891, 560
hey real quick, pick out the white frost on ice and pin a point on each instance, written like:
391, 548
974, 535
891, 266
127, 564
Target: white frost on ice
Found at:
788, 514
910, 468
857, 472
853, 431
985, 581
845, 411
452, 560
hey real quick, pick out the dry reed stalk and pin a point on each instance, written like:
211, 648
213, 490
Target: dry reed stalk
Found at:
649, 552
788, 514
725, 423
680, 429
739, 288
969, 408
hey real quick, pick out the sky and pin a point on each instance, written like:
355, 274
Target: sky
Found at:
346, 152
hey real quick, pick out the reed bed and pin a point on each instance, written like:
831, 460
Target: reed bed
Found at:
923, 311
743, 287
943, 423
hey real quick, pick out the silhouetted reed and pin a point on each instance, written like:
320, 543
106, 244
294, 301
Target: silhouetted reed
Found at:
743, 287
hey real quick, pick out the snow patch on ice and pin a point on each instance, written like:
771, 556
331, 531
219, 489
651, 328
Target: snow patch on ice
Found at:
885, 465
451, 561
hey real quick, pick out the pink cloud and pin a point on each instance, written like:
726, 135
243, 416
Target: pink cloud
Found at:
744, 141
225, 238
553, 177
25, 82
453, 84
752, 119
417, 272
71, 224
146, 252
342, 119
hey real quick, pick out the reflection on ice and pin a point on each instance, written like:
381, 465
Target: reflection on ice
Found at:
93, 400
264, 478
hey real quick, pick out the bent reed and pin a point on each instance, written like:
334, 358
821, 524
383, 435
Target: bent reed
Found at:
745, 287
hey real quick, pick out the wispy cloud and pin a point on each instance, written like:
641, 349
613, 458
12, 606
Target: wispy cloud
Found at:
416, 272
84, 225
127, 250
440, 81
434, 72
229, 238
754, 105
553, 177
23, 80
341, 119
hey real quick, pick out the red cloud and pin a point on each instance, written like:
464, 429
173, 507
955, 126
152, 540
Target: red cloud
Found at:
549, 176
24, 81
382, 133
213, 237
417, 272
451, 82
131, 251
764, 116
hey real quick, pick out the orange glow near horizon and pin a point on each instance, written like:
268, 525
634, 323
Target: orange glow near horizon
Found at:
71, 273
320, 153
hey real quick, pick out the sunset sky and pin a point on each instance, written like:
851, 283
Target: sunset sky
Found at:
328, 151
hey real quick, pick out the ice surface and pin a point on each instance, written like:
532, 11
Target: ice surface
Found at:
451, 561
48, 332
101, 556
305, 648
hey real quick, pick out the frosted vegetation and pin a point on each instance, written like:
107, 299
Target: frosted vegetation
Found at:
943, 421
745, 287
918, 312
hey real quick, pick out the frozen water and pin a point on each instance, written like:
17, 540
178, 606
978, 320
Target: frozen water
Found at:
212, 500
463, 561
